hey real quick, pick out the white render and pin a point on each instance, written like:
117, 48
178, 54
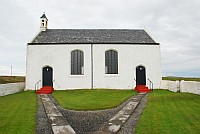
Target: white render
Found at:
11, 88
190, 87
58, 57
173, 86
181, 86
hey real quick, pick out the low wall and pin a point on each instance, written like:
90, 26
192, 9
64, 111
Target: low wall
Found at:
190, 87
181, 86
11, 88
173, 86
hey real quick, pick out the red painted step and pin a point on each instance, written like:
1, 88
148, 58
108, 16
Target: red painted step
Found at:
142, 88
45, 90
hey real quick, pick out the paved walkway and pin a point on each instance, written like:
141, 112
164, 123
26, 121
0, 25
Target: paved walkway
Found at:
61, 126
116, 122
58, 123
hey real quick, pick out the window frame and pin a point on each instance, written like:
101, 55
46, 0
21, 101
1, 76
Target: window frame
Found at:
111, 62
77, 62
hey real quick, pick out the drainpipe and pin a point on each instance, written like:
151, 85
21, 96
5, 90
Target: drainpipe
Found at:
92, 71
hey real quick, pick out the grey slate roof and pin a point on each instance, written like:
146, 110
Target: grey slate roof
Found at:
93, 36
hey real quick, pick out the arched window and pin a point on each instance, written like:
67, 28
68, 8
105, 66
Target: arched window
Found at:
77, 62
111, 62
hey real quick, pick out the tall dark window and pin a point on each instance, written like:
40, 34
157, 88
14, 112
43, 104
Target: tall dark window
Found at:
77, 62
111, 62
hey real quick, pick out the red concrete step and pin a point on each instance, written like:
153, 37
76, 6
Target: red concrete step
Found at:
45, 90
142, 88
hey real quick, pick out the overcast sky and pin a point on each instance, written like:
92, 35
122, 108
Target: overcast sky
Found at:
175, 24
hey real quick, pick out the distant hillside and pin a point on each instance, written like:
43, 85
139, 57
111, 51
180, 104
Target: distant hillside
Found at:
11, 79
180, 78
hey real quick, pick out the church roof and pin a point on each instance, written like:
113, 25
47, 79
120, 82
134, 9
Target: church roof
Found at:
93, 36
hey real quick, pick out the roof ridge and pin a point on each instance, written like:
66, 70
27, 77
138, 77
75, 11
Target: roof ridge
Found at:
98, 29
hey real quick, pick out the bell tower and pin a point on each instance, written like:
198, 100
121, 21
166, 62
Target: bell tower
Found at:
43, 22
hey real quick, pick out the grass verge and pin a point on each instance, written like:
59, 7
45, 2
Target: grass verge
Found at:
18, 113
11, 79
170, 113
92, 99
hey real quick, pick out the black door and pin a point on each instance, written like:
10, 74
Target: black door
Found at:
140, 75
47, 76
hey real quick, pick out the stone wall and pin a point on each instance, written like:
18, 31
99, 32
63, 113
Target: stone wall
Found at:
170, 85
11, 88
190, 87
181, 86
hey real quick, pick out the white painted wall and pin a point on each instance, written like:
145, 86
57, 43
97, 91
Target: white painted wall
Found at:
173, 86
11, 88
129, 57
59, 56
181, 86
190, 87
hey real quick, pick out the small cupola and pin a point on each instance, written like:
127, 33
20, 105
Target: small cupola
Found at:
43, 22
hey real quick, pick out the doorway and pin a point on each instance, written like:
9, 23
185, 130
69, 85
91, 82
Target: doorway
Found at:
140, 75
47, 76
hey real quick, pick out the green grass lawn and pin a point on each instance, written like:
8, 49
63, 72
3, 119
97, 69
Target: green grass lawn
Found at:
92, 99
180, 78
170, 113
18, 113
11, 79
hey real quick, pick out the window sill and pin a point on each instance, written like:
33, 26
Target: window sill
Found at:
112, 75
76, 76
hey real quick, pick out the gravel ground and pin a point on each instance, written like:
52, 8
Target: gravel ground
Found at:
43, 125
86, 122
129, 126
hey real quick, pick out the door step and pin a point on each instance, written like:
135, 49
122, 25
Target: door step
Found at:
142, 88
45, 90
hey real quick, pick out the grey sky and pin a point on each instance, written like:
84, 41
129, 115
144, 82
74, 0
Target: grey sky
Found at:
175, 24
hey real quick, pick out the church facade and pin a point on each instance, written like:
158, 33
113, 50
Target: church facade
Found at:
92, 58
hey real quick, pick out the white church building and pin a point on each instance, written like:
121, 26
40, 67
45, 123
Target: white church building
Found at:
92, 58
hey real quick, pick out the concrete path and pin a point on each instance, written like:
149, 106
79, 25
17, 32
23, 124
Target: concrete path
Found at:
116, 122
61, 126
58, 123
